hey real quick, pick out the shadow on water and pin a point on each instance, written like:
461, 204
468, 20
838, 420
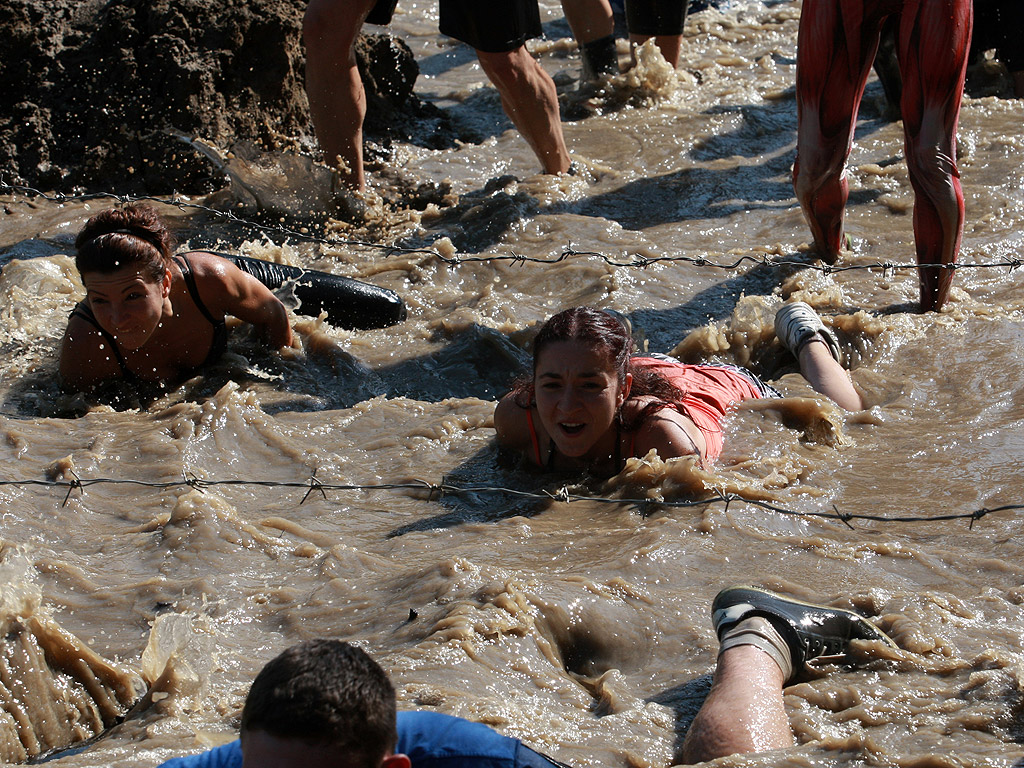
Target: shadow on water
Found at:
760, 180
762, 134
685, 701
665, 328
476, 362
488, 468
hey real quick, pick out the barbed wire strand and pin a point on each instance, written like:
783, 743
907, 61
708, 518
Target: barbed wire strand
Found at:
633, 261
439, 490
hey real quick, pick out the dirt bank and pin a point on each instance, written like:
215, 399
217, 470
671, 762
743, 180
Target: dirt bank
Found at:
93, 86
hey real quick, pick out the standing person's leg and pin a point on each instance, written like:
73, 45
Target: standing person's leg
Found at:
935, 37
589, 19
834, 57
816, 349
662, 20
530, 100
498, 32
593, 27
765, 641
337, 102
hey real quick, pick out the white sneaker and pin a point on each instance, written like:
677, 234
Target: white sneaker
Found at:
797, 324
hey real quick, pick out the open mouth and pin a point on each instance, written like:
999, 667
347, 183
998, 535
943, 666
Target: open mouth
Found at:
571, 428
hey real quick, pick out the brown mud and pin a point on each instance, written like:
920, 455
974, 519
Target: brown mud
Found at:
93, 90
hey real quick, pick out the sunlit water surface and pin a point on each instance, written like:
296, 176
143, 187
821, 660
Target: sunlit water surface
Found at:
582, 628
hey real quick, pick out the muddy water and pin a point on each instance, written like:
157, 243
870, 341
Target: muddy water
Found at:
581, 627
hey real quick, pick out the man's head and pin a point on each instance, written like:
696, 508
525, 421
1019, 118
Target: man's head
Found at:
321, 704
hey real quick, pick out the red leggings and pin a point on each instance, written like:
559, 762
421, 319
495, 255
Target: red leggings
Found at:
836, 47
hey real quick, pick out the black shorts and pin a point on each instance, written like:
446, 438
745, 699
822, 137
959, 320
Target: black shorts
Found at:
492, 28
656, 17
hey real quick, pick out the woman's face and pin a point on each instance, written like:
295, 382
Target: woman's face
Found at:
578, 394
127, 305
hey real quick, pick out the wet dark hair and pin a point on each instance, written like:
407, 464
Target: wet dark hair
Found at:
325, 692
119, 237
606, 334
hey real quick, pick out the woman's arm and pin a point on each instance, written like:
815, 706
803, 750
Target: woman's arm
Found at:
228, 290
510, 424
85, 358
671, 434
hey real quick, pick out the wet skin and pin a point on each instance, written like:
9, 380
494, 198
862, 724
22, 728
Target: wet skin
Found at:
578, 395
127, 305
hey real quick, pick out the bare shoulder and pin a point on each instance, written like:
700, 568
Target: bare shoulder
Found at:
210, 269
510, 423
671, 434
219, 281
203, 262
85, 357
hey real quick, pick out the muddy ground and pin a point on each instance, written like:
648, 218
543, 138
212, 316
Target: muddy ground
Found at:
95, 88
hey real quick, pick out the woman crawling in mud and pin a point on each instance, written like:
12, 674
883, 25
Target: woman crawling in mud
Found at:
591, 404
151, 317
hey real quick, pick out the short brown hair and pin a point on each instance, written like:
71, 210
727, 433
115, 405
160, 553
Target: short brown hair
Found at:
119, 237
325, 692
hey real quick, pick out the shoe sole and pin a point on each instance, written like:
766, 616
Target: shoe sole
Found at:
735, 612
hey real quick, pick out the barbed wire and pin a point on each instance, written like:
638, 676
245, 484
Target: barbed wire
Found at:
635, 260
436, 491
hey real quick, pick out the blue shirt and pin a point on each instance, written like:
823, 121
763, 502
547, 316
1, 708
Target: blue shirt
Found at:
430, 739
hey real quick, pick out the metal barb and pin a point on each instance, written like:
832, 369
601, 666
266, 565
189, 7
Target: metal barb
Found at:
844, 516
314, 485
978, 514
75, 482
193, 481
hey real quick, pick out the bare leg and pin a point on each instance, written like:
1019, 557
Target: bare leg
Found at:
764, 638
337, 102
593, 27
933, 47
744, 712
827, 376
589, 20
669, 45
529, 97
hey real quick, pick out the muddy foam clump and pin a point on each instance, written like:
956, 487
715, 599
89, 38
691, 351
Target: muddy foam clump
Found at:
54, 690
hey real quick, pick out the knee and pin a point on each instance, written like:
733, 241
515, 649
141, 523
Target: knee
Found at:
508, 68
332, 24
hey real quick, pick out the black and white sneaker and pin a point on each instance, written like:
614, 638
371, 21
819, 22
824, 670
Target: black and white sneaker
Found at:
797, 324
811, 631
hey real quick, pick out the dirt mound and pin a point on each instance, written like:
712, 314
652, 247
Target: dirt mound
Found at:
92, 87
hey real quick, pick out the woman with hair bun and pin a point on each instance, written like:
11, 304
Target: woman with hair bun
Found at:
151, 317
590, 404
